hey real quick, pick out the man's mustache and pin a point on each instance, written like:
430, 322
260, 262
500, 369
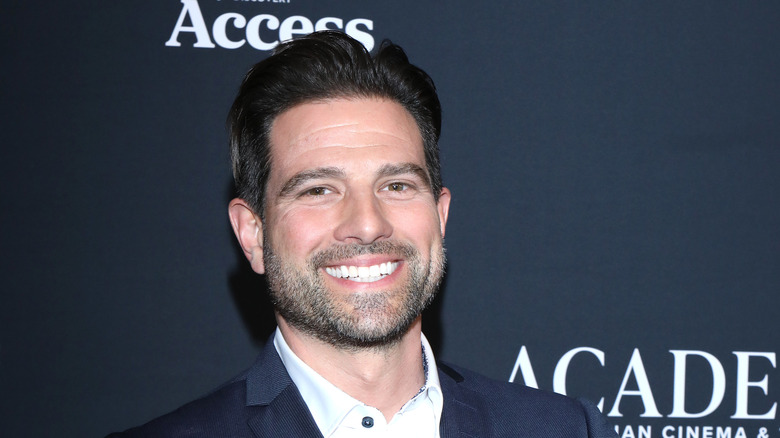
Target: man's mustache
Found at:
327, 256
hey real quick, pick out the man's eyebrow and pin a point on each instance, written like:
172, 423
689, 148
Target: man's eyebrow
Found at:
304, 176
389, 170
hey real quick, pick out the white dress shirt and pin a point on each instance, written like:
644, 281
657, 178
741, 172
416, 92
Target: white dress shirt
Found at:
338, 415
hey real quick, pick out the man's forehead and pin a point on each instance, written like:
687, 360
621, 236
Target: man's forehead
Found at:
319, 119
327, 130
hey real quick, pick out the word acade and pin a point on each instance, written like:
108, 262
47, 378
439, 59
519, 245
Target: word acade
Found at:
231, 23
749, 363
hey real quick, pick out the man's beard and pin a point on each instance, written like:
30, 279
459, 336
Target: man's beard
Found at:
357, 320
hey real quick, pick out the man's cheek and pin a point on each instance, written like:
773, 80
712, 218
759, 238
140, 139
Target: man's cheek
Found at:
301, 239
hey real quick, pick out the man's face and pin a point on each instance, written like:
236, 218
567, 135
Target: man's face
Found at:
352, 239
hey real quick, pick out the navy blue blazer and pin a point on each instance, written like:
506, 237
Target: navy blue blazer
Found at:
264, 402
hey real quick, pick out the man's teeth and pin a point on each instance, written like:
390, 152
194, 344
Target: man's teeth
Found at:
363, 273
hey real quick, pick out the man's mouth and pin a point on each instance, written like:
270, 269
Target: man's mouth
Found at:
362, 274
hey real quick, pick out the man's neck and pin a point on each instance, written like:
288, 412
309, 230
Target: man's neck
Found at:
385, 378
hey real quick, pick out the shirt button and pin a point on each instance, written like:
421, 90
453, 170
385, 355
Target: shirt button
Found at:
368, 422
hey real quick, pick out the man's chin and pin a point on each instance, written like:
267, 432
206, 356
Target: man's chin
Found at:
358, 332
370, 338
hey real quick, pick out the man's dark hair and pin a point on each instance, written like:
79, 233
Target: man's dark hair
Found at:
324, 65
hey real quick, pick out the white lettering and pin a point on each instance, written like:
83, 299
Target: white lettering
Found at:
637, 368
523, 363
700, 432
364, 37
289, 29
641, 431
718, 384
192, 9
644, 390
559, 375
253, 31
322, 24
743, 384
220, 33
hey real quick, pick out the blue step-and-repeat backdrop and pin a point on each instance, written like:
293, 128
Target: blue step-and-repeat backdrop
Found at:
614, 230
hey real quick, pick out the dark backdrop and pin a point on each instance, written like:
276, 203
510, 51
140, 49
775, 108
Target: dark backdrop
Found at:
615, 170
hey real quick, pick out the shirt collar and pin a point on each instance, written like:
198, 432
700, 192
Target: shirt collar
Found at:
329, 405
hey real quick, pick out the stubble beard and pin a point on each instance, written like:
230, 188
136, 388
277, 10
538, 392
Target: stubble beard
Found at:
374, 319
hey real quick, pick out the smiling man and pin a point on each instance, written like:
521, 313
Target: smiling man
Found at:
341, 205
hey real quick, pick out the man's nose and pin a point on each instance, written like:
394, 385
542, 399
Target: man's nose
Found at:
363, 220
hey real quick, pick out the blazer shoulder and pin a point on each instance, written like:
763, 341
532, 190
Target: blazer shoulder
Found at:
505, 392
226, 410
513, 407
219, 413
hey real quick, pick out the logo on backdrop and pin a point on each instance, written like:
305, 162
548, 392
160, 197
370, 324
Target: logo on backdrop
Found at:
232, 30
751, 380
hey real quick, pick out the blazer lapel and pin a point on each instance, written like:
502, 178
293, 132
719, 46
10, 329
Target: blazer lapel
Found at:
278, 410
460, 417
286, 416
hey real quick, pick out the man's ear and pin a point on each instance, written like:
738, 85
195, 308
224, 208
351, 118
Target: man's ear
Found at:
249, 232
443, 206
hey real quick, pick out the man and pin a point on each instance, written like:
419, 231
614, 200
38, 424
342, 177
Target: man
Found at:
341, 206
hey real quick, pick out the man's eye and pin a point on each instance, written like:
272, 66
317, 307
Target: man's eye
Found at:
316, 191
396, 187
